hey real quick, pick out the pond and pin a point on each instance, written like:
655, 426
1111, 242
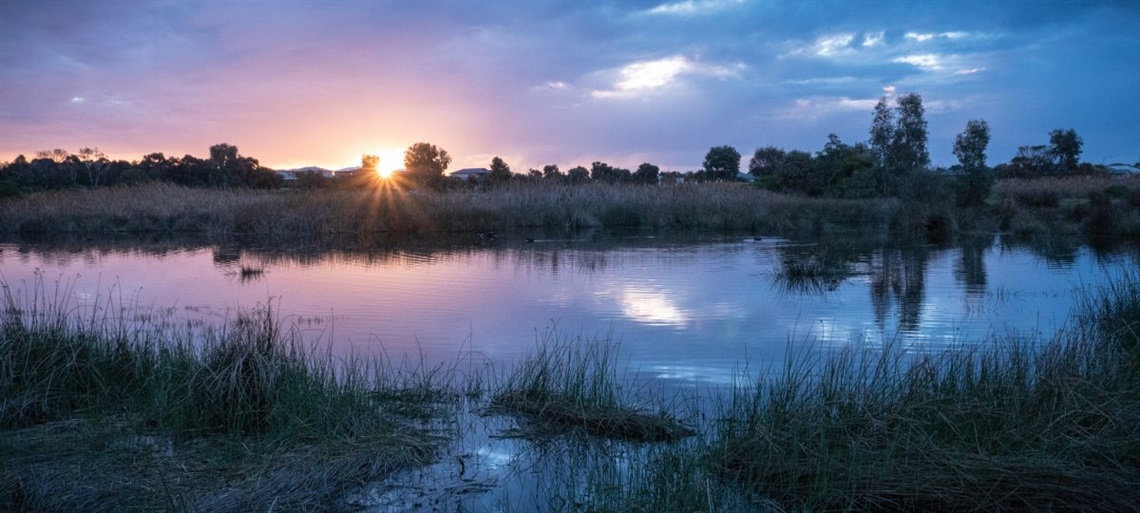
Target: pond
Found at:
688, 311
689, 314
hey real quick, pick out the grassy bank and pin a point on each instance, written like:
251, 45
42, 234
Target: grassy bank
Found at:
104, 414
1098, 207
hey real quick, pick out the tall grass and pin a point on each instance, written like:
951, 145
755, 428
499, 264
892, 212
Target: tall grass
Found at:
1012, 425
290, 213
236, 417
1097, 207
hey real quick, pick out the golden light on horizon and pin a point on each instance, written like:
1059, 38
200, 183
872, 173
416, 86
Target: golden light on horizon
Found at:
390, 161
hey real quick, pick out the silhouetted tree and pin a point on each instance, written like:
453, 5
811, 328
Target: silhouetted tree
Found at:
95, 164
500, 171
605, 173
908, 148
551, 172
765, 160
898, 143
646, 173
838, 165
796, 173
722, 163
1065, 149
1030, 161
425, 163
578, 174
970, 148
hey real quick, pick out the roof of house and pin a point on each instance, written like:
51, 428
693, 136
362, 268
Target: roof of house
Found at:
470, 171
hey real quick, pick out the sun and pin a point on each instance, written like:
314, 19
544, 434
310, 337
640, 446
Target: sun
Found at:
390, 162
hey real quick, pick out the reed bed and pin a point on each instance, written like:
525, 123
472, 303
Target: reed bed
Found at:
101, 413
1098, 207
1093, 206
293, 213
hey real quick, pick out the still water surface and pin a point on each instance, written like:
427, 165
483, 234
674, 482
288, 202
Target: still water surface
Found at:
683, 311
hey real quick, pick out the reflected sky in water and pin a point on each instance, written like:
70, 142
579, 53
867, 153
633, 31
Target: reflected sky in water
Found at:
683, 312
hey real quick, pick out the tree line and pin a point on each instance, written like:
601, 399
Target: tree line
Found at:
225, 167
893, 162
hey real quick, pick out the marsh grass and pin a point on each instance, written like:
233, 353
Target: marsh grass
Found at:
1010, 425
293, 214
573, 385
101, 413
1098, 207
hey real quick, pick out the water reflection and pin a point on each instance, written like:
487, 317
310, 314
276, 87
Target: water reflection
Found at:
692, 310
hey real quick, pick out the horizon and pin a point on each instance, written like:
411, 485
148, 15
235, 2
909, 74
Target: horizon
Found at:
297, 84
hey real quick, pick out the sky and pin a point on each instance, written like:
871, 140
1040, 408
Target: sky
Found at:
299, 83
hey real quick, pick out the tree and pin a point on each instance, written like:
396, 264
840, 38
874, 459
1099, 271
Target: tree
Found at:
839, 166
765, 161
500, 171
425, 163
909, 144
970, 145
722, 163
898, 143
578, 174
369, 163
1030, 161
602, 172
970, 148
1065, 149
882, 133
551, 172
796, 172
646, 173
95, 163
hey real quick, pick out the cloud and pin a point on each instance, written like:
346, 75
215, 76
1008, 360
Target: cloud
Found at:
922, 37
833, 45
874, 39
970, 71
643, 77
926, 61
693, 7
818, 106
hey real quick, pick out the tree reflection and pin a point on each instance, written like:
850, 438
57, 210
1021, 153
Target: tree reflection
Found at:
899, 275
970, 269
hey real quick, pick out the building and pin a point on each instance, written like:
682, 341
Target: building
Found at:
477, 173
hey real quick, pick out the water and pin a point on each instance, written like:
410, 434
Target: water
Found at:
689, 315
687, 312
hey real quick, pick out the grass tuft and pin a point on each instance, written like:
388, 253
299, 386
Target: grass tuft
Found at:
572, 385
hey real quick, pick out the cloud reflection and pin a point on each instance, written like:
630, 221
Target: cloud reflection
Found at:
652, 307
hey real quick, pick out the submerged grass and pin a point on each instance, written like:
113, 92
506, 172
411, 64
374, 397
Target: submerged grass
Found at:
572, 385
100, 414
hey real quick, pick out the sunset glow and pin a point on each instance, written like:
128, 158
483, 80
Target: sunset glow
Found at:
567, 83
390, 161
